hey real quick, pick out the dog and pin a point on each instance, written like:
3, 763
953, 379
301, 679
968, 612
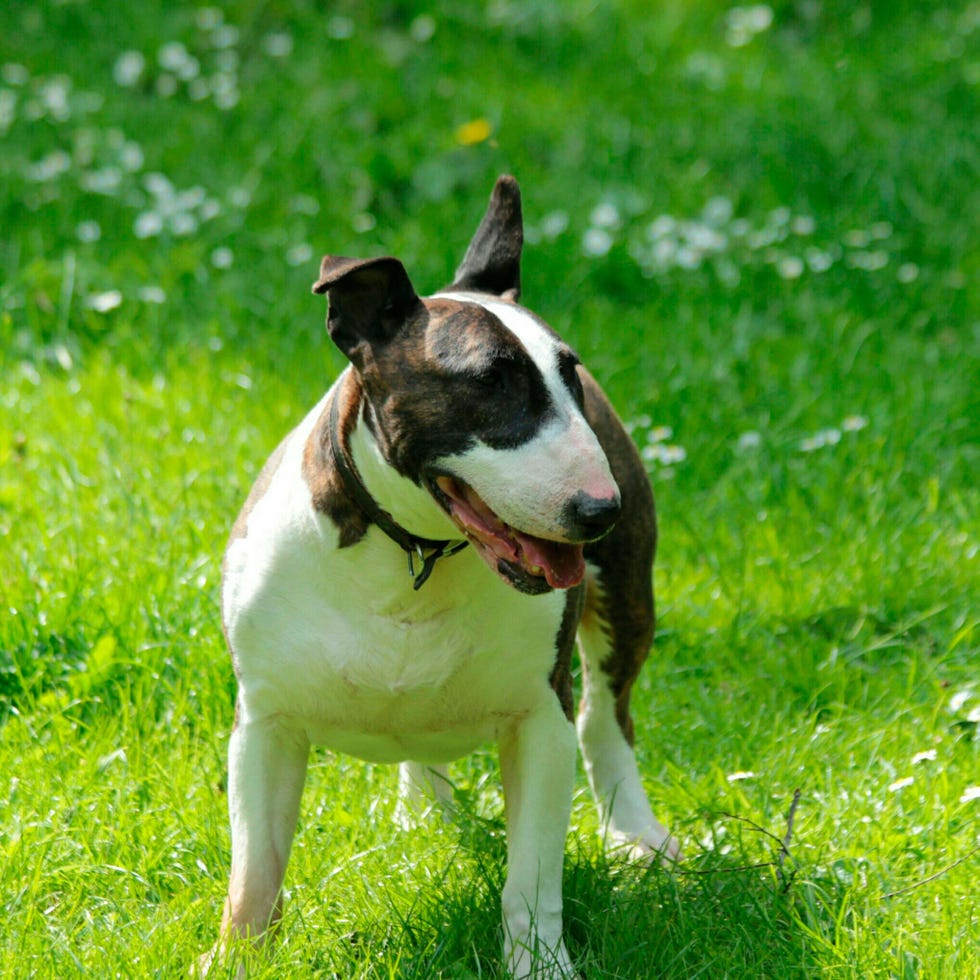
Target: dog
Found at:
407, 579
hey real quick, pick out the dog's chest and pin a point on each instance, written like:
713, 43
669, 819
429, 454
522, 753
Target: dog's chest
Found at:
336, 641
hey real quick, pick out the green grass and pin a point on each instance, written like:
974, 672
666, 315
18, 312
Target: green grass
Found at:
804, 316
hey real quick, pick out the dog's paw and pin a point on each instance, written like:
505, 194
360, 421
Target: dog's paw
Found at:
647, 848
214, 964
201, 967
542, 964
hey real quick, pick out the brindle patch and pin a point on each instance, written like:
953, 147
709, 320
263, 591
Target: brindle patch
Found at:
561, 673
623, 601
259, 489
448, 380
329, 495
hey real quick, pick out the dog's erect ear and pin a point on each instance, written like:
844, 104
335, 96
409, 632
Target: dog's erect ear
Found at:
492, 263
370, 299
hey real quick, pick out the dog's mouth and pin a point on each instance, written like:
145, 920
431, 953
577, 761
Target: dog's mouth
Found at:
530, 564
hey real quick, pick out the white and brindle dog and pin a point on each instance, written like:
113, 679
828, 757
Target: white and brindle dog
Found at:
467, 435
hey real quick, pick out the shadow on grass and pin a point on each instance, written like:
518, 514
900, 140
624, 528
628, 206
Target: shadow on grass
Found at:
715, 915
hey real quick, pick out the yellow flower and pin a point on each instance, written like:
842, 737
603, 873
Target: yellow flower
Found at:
473, 132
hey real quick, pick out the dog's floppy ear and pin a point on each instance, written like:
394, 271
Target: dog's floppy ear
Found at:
492, 263
370, 299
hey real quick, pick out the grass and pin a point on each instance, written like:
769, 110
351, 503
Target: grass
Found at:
760, 234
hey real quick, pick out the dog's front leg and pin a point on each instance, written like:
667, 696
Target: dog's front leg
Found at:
537, 762
266, 772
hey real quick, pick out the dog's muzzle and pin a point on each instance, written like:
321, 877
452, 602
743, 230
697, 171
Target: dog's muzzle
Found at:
530, 564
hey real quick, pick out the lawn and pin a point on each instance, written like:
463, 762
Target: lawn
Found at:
758, 227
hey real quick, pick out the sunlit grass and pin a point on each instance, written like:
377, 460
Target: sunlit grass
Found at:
760, 237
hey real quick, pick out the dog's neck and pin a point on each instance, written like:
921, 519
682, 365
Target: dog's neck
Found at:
411, 507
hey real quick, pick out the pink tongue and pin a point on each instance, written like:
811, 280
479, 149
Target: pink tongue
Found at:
563, 564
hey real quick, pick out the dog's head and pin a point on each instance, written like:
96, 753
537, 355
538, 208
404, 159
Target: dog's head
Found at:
475, 399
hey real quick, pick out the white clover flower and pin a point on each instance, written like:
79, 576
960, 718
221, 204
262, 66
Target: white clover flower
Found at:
818, 259
703, 238
554, 224
688, 258
8, 109
661, 226
225, 36
907, 272
210, 208
340, 28
718, 210
128, 69
172, 56
663, 453
299, 254
780, 217
104, 302
740, 775
14, 74
605, 215
49, 168
423, 28
222, 257
821, 439
54, 96
803, 224
664, 252
131, 156
88, 231
152, 294
597, 242
363, 222
790, 267
198, 89
868, 261
278, 44
854, 423
183, 224
959, 699
901, 784
208, 18
104, 181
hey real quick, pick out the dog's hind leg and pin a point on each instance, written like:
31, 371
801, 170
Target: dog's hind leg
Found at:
266, 772
421, 786
605, 731
615, 634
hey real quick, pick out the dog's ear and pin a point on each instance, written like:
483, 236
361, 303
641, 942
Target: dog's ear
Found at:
492, 263
370, 299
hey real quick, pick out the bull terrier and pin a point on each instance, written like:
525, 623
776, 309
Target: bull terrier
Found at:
410, 573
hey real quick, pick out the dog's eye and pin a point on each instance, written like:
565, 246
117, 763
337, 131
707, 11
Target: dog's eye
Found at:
495, 377
567, 364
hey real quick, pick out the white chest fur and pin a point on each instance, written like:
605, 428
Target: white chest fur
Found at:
335, 641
